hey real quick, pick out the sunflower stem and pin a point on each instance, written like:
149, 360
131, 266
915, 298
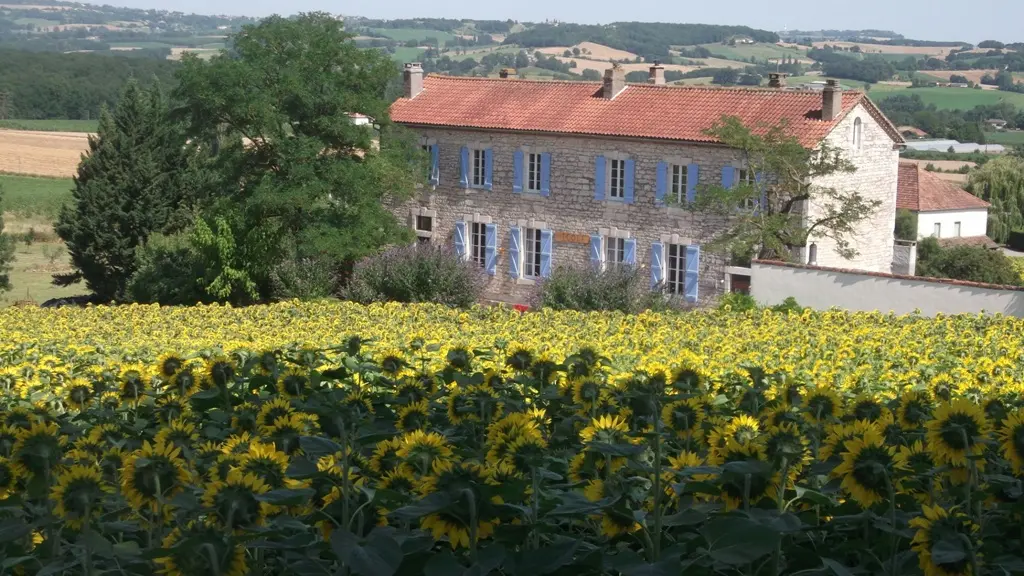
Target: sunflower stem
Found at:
780, 504
746, 492
473, 521
535, 507
894, 538
657, 479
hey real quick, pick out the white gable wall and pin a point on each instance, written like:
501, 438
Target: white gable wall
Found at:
972, 223
877, 163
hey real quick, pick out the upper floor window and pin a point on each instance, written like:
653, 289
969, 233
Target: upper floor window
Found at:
858, 133
678, 182
616, 178
745, 177
533, 177
479, 165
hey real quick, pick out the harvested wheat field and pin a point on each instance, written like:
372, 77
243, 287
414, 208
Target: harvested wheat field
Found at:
53, 154
940, 51
583, 64
592, 51
972, 75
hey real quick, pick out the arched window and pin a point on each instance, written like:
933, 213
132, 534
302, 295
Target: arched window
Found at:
858, 133
812, 254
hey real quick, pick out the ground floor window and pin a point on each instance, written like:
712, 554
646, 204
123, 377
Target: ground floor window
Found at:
675, 276
478, 244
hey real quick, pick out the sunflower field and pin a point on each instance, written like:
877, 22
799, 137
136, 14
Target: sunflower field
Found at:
339, 439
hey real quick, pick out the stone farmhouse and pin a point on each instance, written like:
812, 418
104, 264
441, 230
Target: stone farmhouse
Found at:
944, 210
530, 175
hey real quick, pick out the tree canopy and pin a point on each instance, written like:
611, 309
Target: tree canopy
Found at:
1001, 183
6, 250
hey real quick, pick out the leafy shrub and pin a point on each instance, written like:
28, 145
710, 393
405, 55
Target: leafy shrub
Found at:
1016, 240
736, 302
416, 274
304, 279
586, 289
969, 263
788, 305
906, 225
167, 272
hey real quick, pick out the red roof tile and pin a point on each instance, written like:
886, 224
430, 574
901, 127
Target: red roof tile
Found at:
640, 110
921, 191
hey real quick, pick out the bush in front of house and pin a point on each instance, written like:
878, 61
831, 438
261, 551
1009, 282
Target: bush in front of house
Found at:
416, 274
585, 289
969, 263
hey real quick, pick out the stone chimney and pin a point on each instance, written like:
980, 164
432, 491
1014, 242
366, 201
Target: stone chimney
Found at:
507, 73
657, 75
614, 82
831, 100
413, 79
777, 79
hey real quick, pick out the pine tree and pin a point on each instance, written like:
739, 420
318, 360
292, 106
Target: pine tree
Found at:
6, 251
136, 179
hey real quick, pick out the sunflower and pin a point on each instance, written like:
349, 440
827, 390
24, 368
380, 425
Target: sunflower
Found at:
232, 502
223, 558
743, 429
518, 357
915, 409
287, 430
268, 463
169, 364
735, 487
293, 383
8, 438
472, 404
110, 400
133, 385
867, 468
587, 465
111, 462
913, 466
413, 416
184, 383
606, 429
244, 418
420, 449
587, 393
391, 361
78, 495
785, 442
452, 523
524, 454
684, 460
178, 433
957, 432
220, 371
413, 388
273, 410
8, 479
359, 403
950, 529
502, 433
822, 405
1011, 437
237, 443
79, 394
38, 450
684, 417
385, 455
613, 523
866, 407
153, 475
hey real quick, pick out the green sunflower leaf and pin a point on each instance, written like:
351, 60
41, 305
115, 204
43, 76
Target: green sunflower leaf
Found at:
736, 540
948, 550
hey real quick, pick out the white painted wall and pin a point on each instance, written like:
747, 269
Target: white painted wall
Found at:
822, 289
972, 223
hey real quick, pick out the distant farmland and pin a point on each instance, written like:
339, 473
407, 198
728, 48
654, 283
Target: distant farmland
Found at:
54, 154
950, 98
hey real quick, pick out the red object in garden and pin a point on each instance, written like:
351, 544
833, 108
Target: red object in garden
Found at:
521, 307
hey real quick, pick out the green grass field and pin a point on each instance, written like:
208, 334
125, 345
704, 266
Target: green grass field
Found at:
29, 196
950, 98
32, 272
140, 45
1005, 138
403, 54
406, 34
51, 125
846, 84
759, 51
37, 22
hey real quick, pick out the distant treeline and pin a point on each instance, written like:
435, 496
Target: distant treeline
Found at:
46, 85
651, 40
909, 42
962, 125
442, 24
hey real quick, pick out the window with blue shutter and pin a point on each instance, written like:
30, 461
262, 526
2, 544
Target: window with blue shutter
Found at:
491, 250
517, 171
435, 167
661, 184
489, 169
546, 245
692, 272
692, 178
657, 265
460, 239
464, 167
630, 170
728, 177
629, 257
595, 251
545, 174
514, 243
599, 178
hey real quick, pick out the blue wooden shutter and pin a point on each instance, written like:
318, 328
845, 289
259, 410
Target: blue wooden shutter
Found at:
514, 242
657, 266
595, 250
630, 169
692, 178
545, 253
599, 174
435, 168
692, 273
460, 239
661, 185
728, 177
517, 171
464, 167
491, 249
629, 257
489, 169
545, 174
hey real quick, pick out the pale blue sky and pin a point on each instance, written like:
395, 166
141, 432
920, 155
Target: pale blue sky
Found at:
970, 21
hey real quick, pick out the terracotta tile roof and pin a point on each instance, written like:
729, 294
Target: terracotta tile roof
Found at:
921, 191
640, 110
981, 241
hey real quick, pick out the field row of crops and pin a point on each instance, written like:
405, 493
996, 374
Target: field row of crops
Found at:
335, 438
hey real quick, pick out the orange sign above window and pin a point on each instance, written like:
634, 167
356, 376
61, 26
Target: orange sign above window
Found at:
571, 238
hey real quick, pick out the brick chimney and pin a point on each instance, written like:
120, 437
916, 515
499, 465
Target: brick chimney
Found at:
413, 79
831, 100
777, 79
657, 75
507, 73
614, 82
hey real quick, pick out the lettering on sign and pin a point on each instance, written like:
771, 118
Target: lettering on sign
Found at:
571, 238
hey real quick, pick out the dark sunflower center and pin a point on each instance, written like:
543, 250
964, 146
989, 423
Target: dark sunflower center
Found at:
959, 431
867, 411
268, 470
81, 496
916, 412
590, 391
132, 388
294, 385
156, 476
215, 562
81, 394
414, 420
221, 373
40, 453
170, 367
792, 396
820, 407
521, 360
870, 469
683, 417
1018, 440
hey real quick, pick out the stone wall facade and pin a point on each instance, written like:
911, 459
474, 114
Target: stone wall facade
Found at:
572, 212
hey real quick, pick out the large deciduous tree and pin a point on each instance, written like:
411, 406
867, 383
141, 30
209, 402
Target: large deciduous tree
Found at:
1001, 183
6, 250
766, 216
297, 178
138, 177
